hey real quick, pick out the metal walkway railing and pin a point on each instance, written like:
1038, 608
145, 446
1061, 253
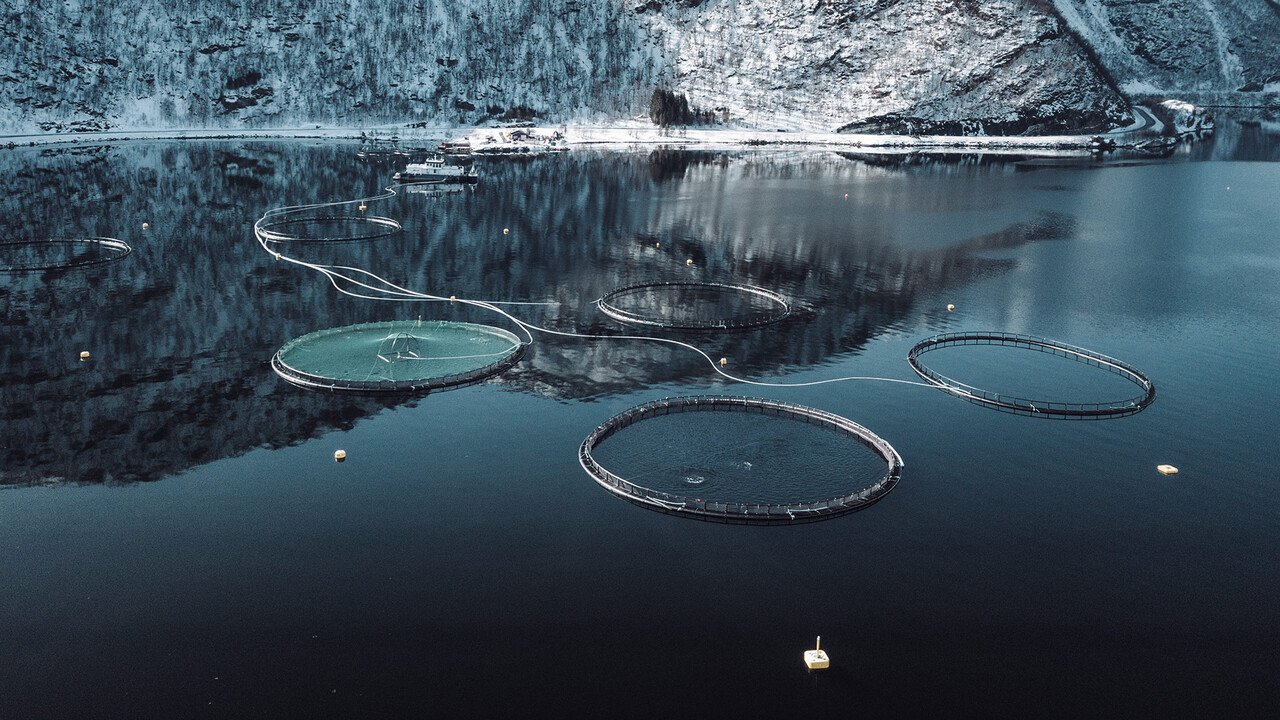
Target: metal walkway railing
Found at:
1026, 406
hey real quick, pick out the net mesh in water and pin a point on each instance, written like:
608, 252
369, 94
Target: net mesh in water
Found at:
794, 499
694, 305
397, 356
1035, 407
22, 256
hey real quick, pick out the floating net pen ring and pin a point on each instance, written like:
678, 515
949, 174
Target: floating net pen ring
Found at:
1024, 406
23, 256
775, 307
397, 357
742, 513
320, 228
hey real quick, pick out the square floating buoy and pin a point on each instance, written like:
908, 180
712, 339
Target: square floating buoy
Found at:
816, 659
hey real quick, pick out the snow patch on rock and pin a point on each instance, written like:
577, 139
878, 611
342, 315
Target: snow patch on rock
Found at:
1221, 48
1001, 65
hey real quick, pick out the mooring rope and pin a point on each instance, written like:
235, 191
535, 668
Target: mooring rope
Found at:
389, 291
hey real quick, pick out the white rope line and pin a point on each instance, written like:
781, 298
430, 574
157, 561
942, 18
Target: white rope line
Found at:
390, 291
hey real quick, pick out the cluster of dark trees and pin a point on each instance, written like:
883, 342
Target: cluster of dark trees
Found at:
667, 108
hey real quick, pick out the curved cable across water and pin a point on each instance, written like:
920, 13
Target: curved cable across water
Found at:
383, 289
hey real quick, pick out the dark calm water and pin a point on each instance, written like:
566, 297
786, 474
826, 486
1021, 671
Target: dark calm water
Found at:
178, 541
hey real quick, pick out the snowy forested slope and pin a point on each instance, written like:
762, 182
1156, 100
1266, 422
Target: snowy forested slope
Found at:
167, 63
994, 65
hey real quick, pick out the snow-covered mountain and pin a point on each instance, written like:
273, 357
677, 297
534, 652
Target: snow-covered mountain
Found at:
999, 66
1188, 48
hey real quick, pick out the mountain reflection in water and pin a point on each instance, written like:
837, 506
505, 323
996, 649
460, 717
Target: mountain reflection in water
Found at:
461, 562
181, 331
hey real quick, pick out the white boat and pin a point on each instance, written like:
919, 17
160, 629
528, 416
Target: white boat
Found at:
434, 169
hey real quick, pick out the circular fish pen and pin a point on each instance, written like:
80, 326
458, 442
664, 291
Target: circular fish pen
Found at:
740, 512
327, 228
1031, 407
24, 256
694, 305
397, 357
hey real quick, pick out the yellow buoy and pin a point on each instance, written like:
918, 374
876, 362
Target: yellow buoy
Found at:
1167, 469
363, 207
145, 226
816, 659
688, 262
339, 455
84, 354
950, 307
657, 245
724, 361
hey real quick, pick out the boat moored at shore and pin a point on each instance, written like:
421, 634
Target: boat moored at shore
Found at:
434, 169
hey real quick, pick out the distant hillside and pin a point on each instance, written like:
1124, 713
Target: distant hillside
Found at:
995, 66
821, 64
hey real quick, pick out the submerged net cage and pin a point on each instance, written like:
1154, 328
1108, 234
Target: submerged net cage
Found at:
37, 255
1031, 407
781, 511
397, 357
695, 305
327, 228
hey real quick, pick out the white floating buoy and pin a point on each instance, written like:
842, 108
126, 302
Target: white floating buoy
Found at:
84, 354
950, 307
363, 207
453, 299
1167, 469
657, 245
816, 659
277, 255
339, 455
846, 196
688, 262
724, 361
505, 230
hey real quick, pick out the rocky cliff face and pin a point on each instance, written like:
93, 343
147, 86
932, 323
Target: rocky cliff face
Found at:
1184, 47
996, 66
1002, 65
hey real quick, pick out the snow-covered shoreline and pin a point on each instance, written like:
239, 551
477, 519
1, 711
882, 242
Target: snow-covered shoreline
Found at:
587, 136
